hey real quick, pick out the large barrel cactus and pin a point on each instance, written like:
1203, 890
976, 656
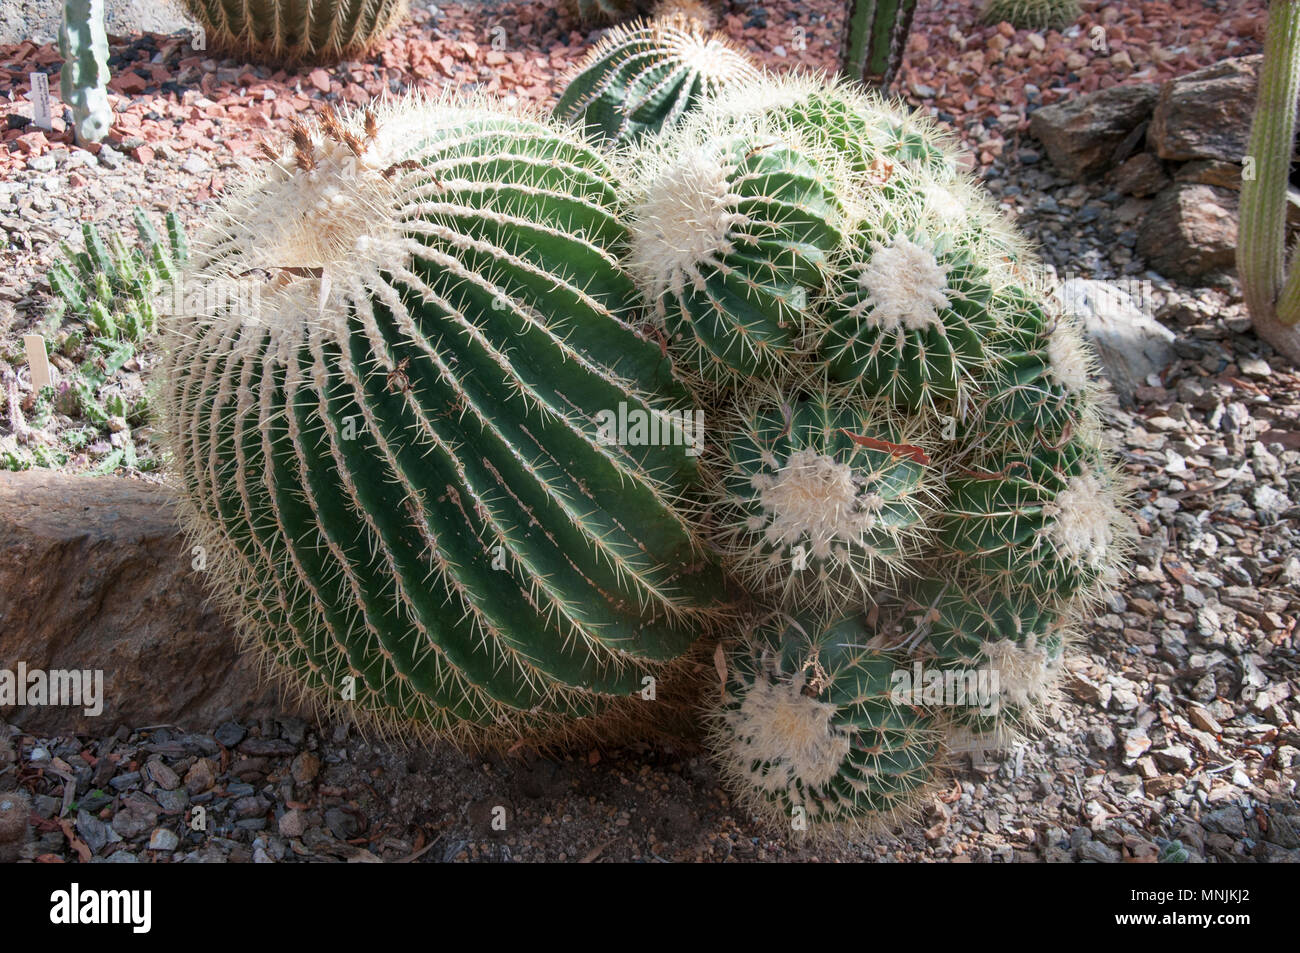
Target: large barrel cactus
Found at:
400, 462
296, 31
644, 77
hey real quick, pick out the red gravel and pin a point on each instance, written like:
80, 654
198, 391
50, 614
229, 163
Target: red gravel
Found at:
957, 69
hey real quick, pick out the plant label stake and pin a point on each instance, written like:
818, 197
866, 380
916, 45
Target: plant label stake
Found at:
40, 97
37, 360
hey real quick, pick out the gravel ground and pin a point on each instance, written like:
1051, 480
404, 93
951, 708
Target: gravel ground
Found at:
1179, 720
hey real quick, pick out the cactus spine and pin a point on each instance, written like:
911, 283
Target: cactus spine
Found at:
398, 467
83, 43
1272, 295
645, 77
294, 31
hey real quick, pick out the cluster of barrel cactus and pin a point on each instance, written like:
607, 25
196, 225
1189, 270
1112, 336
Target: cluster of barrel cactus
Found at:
527, 422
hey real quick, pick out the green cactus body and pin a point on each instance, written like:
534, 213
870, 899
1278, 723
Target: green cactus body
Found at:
863, 129
294, 31
398, 465
1039, 388
1032, 14
810, 728
601, 12
1007, 643
875, 39
645, 77
730, 237
1047, 519
823, 503
907, 314
83, 44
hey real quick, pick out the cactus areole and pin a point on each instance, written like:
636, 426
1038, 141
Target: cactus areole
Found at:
397, 466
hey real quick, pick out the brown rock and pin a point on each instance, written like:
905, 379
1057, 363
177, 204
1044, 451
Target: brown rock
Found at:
1189, 231
1206, 114
95, 576
1141, 175
1222, 175
1082, 134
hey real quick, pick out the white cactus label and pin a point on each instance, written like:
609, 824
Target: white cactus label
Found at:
37, 360
40, 97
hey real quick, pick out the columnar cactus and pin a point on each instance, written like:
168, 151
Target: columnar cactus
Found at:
875, 39
1272, 294
400, 465
83, 82
642, 78
296, 31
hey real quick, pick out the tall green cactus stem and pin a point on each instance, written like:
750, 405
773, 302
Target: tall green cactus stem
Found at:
296, 31
731, 229
1272, 295
825, 497
875, 39
83, 44
809, 729
400, 468
644, 77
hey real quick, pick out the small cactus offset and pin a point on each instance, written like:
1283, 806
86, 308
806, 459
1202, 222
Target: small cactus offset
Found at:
296, 31
809, 732
83, 44
822, 503
1033, 14
400, 468
645, 77
732, 225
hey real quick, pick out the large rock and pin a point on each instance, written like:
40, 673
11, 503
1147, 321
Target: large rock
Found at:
1189, 231
1131, 344
95, 576
1206, 114
1082, 135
